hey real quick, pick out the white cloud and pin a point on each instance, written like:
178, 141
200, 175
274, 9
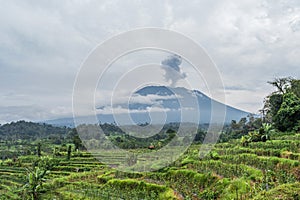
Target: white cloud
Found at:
32, 112
120, 110
125, 98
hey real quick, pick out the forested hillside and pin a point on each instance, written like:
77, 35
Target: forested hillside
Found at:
30, 130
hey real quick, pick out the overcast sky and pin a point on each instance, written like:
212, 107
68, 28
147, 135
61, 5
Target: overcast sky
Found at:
43, 43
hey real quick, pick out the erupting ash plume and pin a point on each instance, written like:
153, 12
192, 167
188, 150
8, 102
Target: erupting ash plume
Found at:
171, 65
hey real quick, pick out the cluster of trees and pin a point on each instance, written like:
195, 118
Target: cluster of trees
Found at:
93, 138
281, 111
282, 107
238, 129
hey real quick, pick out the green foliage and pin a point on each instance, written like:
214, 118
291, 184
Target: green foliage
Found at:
69, 152
189, 182
260, 135
272, 105
283, 192
46, 162
39, 151
239, 129
214, 155
288, 116
74, 137
265, 169
133, 189
282, 107
237, 189
30, 131
35, 177
131, 159
295, 87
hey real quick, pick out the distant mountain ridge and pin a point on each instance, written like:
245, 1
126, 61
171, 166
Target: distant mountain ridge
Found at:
172, 101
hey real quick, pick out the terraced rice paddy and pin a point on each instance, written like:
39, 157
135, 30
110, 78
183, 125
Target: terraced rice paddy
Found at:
269, 170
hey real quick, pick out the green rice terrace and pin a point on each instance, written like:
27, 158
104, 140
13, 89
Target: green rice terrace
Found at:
232, 170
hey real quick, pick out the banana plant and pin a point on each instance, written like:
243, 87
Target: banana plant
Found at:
35, 176
34, 180
261, 135
265, 131
245, 140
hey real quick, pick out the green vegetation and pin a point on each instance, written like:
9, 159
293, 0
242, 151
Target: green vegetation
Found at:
282, 107
259, 170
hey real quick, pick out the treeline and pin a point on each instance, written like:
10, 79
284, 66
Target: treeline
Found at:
30, 135
130, 138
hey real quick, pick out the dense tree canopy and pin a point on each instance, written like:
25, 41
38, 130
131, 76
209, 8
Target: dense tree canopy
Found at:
288, 115
282, 107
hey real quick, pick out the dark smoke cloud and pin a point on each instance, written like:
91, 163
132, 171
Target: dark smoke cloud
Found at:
171, 65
